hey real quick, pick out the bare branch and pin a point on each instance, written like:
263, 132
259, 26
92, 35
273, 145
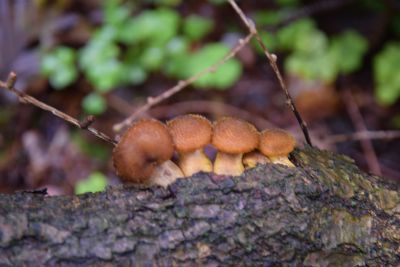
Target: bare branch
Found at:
359, 124
362, 135
86, 122
272, 58
25, 98
151, 101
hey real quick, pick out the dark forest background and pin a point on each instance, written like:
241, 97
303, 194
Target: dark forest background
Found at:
340, 60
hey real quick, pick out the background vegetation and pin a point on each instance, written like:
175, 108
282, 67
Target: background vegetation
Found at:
340, 59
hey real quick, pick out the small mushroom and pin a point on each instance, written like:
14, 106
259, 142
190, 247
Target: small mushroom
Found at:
252, 159
276, 145
143, 155
190, 134
232, 137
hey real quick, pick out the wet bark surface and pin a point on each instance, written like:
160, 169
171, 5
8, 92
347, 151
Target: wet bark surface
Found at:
324, 212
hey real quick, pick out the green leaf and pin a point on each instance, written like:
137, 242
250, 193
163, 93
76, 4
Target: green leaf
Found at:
99, 50
348, 48
196, 27
177, 65
105, 35
315, 66
290, 36
313, 41
155, 26
387, 94
225, 76
96, 182
94, 104
106, 76
133, 32
152, 58
59, 67
386, 68
167, 26
134, 74
177, 46
115, 13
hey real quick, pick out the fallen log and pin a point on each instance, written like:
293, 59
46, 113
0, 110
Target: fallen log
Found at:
324, 212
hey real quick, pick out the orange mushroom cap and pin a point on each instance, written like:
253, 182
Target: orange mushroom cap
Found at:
275, 143
234, 136
190, 132
142, 147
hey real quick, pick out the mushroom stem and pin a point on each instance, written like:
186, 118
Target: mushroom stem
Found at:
282, 160
252, 159
166, 173
228, 164
193, 162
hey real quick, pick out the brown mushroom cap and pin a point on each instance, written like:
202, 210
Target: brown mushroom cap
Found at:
234, 136
276, 142
142, 147
190, 132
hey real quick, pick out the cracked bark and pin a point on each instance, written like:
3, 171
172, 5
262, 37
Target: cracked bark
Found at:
324, 212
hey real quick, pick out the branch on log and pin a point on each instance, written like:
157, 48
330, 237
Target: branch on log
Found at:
325, 212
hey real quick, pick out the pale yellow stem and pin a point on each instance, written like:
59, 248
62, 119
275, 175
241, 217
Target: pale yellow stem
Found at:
194, 162
228, 164
165, 174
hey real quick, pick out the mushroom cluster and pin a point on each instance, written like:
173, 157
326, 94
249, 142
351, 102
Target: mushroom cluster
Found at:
143, 154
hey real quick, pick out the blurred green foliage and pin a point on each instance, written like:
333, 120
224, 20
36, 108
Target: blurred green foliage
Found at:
387, 74
133, 43
94, 103
314, 56
195, 27
59, 66
96, 182
126, 48
188, 64
325, 60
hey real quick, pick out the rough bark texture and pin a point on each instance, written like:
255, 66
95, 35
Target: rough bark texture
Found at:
325, 212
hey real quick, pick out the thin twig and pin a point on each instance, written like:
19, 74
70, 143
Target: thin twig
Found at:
25, 98
87, 121
358, 121
151, 101
272, 58
362, 135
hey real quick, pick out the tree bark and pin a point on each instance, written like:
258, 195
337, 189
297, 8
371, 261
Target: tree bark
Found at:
324, 212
